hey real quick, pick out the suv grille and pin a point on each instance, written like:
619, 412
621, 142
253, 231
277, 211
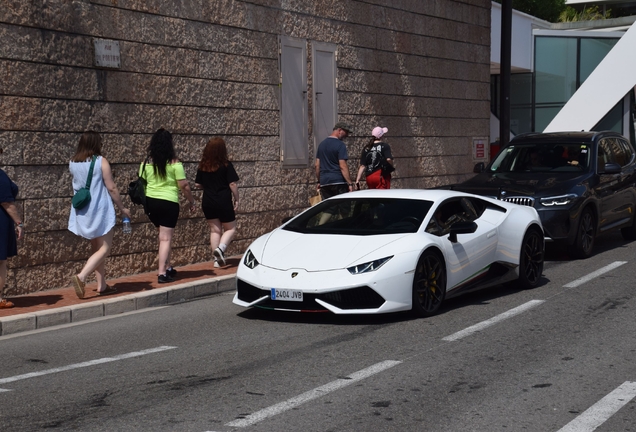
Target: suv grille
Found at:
524, 201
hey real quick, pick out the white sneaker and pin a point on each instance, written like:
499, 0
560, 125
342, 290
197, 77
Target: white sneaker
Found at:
216, 264
218, 254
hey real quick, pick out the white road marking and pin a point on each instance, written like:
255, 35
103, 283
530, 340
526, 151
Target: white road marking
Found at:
312, 394
84, 364
494, 320
602, 410
597, 273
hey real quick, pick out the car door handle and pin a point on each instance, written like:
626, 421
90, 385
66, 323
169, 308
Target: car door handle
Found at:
491, 234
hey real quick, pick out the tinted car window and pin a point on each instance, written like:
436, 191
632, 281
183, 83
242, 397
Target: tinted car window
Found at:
611, 151
616, 150
604, 157
453, 211
628, 150
541, 157
362, 216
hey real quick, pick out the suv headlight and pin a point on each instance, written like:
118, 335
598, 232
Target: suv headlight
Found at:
250, 260
558, 200
368, 266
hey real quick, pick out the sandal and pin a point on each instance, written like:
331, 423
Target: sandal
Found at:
79, 286
107, 291
5, 304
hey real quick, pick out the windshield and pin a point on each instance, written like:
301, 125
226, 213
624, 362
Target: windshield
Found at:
362, 216
540, 157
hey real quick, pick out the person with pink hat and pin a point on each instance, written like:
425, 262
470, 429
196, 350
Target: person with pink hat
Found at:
376, 161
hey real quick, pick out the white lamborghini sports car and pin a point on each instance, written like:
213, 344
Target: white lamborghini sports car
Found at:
379, 251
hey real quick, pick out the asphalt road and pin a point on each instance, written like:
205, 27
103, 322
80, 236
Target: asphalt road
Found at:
556, 358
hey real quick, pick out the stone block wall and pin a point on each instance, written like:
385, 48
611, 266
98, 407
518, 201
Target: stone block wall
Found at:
210, 67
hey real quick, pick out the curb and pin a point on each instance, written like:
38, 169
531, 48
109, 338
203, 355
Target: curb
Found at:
95, 309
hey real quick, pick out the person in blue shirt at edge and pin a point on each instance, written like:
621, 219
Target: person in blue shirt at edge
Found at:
332, 171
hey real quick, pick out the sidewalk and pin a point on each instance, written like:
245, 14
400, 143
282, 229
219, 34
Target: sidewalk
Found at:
140, 291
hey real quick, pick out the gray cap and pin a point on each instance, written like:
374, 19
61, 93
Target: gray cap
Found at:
344, 126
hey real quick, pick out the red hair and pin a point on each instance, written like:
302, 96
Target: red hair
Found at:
214, 155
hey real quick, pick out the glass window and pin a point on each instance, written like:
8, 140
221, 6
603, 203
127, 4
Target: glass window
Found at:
613, 120
543, 116
603, 156
520, 120
562, 64
628, 150
555, 66
452, 211
610, 151
593, 51
520, 89
361, 216
619, 154
542, 157
521, 103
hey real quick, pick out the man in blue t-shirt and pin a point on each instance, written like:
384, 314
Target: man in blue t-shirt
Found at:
332, 171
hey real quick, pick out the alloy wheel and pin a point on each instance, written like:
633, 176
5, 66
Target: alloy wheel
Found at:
429, 284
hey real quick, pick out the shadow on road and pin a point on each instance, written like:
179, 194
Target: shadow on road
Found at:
324, 317
558, 252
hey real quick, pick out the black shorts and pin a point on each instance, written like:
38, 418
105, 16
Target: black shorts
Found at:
218, 206
333, 190
225, 214
162, 213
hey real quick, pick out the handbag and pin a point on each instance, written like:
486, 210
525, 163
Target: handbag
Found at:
137, 188
386, 167
315, 200
83, 196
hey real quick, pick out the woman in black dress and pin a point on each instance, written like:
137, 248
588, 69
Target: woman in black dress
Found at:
217, 177
10, 230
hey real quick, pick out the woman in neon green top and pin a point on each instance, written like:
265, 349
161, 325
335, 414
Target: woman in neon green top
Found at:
165, 176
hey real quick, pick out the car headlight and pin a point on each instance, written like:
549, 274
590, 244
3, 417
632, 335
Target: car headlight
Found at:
558, 200
369, 266
250, 260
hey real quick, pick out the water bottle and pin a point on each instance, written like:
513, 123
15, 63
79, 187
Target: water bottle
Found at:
126, 226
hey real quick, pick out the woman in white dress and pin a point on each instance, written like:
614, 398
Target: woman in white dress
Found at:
96, 220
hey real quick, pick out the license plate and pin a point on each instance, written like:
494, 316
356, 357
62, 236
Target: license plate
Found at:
287, 295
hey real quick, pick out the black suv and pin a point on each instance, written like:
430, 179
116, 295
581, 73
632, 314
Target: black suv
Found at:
580, 183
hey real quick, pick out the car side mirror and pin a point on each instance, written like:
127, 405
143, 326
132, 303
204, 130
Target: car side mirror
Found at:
611, 168
479, 168
461, 228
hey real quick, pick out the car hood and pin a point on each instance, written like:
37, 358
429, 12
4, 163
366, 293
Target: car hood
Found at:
319, 252
532, 184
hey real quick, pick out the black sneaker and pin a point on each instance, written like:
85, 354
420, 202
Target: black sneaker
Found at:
165, 279
218, 253
171, 272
